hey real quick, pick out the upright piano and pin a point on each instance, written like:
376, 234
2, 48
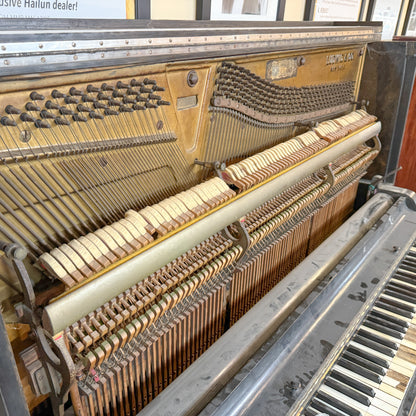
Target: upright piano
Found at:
176, 227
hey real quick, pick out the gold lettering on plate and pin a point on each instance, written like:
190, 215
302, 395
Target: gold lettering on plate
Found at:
337, 61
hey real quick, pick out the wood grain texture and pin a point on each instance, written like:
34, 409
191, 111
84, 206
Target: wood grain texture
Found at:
406, 177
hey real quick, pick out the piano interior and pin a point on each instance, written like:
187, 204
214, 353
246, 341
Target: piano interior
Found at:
160, 186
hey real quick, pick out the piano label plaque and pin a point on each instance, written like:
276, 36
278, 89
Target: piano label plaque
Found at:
282, 69
183, 103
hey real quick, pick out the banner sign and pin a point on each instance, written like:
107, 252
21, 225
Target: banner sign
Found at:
336, 10
64, 9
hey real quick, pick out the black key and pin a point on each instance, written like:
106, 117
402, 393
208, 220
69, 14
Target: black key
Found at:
404, 276
348, 355
390, 318
310, 411
386, 323
374, 346
324, 408
355, 368
399, 295
397, 304
370, 357
407, 290
332, 401
408, 266
395, 310
379, 339
348, 391
367, 390
383, 329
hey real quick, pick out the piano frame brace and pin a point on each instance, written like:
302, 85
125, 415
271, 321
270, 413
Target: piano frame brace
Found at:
56, 360
62, 312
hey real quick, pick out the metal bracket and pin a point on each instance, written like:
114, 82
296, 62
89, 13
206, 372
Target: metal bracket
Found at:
397, 192
217, 166
377, 143
53, 352
363, 104
330, 177
242, 238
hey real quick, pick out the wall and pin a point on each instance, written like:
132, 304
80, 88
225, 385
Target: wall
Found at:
173, 9
186, 9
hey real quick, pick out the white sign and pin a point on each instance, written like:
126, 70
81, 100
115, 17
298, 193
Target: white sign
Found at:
68, 9
336, 10
244, 9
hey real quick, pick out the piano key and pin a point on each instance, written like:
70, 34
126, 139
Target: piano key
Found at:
324, 408
340, 401
384, 328
359, 370
400, 323
374, 346
377, 337
394, 362
381, 391
353, 382
310, 411
364, 363
400, 293
404, 288
391, 314
397, 310
395, 301
371, 357
348, 391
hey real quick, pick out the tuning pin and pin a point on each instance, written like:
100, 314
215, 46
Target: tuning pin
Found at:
127, 100
79, 117
66, 111
118, 94
62, 121
93, 114
51, 105
106, 87
145, 90
83, 109
71, 100
91, 88
125, 109
36, 96
163, 102
42, 124
27, 118
148, 81
135, 83
157, 88
100, 105
138, 107
32, 107
88, 99
6, 121
110, 112
58, 94
114, 103
122, 85
74, 91
12, 110
47, 114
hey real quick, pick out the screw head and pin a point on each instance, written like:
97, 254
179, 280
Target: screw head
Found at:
192, 78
